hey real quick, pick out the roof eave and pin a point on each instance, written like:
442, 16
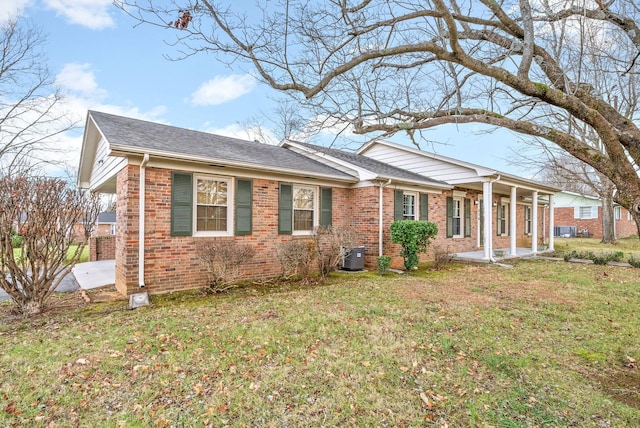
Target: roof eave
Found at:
129, 151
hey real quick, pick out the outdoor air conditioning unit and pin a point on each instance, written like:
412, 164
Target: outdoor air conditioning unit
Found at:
353, 259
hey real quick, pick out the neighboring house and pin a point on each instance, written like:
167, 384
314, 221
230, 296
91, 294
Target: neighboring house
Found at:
105, 226
176, 186
581, 215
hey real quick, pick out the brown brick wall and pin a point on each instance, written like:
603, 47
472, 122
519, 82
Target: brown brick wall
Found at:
625, 227
171, 262
564, 216
102, 248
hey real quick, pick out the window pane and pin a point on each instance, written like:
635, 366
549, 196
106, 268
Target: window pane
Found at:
212, 192
585, 212
302, 220
409, 207
303, 198
456, 226
211, 218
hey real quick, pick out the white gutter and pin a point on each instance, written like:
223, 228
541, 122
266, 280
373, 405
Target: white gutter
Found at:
141, 216
380, 223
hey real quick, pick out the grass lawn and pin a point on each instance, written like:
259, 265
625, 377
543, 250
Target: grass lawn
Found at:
84, 257
629, 245
540, 344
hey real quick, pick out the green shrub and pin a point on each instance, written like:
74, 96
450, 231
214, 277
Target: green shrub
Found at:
16, 241
598, 259
383, 264
414, 236
634, 260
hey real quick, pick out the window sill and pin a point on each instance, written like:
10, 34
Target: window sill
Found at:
212, 234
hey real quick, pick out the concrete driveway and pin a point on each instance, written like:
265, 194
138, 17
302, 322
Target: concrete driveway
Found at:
84, 275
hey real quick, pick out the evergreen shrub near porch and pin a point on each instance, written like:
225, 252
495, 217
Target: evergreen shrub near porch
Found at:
414, 236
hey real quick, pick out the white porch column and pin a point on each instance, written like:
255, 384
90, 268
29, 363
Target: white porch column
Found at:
512, 223
534, 223
551, 223
487, 201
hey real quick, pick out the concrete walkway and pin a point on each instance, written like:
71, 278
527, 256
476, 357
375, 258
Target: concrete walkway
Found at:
84, 275
95, 274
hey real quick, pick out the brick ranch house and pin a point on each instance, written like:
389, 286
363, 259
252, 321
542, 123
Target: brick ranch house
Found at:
581, 215
176, 186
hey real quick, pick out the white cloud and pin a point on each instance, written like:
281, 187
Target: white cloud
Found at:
237, 131
12, 8
93, 14
79, 79
221, 89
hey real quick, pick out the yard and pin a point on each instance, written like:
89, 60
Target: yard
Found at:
542, 343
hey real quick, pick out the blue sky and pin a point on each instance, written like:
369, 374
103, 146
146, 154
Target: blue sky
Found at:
104, 62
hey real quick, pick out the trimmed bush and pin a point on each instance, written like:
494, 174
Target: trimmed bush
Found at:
223, 260
414, 236
383, 264
634, 260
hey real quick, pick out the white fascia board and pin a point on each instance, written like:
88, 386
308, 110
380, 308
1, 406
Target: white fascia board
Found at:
90, 141
126, 152
362, 173
523, 183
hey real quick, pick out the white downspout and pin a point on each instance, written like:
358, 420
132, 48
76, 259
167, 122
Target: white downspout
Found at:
513, 222
380, 223
141, 216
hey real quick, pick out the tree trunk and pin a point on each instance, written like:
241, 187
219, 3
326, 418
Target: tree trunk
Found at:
608, 219
30, 307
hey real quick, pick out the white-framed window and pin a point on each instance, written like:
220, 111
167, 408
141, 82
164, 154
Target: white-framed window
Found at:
503, 219
213, 204
458, 224
527, 220
112, 229
617, 213
629, 215
587, 213
304, 209
409, 204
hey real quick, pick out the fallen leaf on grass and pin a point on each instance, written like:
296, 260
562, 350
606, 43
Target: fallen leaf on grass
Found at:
631, 363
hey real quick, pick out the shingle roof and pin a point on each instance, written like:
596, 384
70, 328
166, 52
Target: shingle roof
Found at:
107, 217
380, 168
126, 134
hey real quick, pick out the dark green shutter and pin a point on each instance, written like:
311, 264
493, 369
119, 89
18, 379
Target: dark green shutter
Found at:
467, 217
326, 204
449, 217
181, 204
424, 206
398, 205
244, 200
285, 209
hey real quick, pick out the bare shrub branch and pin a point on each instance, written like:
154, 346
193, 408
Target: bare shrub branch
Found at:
43, 211
223, 260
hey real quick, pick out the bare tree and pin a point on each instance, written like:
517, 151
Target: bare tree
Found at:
37, 218
389, 66
31, 116
555, 166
